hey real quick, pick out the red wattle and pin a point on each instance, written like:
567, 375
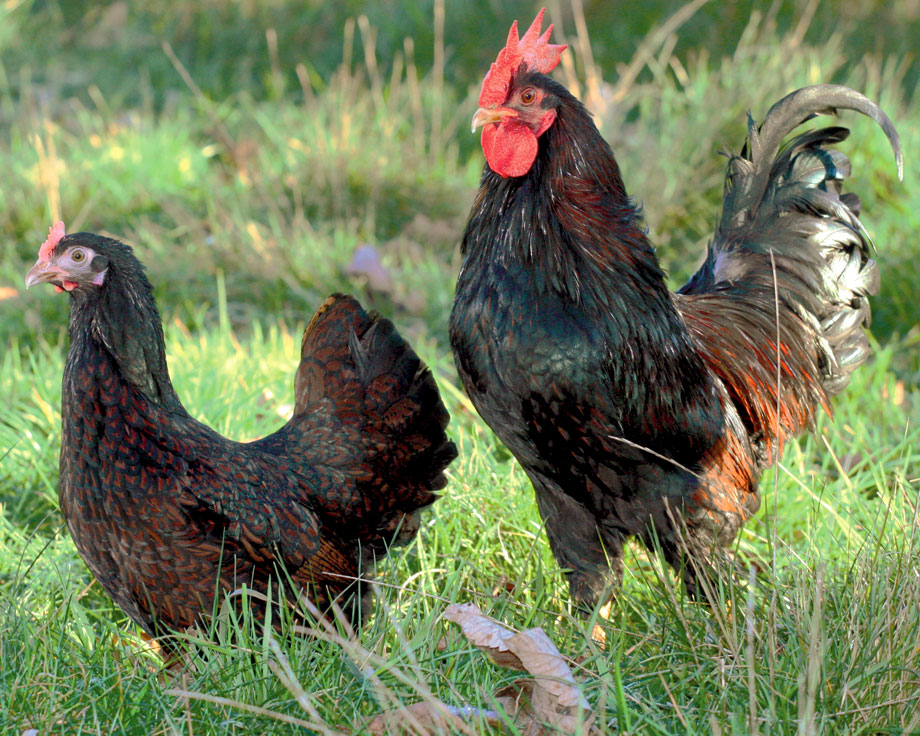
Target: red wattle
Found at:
510, 148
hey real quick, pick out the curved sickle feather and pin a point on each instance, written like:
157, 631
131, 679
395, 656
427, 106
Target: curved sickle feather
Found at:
794, 109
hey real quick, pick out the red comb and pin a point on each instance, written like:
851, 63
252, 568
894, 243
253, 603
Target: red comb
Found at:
55, 235
534, 50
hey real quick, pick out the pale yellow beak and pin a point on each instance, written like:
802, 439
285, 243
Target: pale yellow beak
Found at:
486, 115
43, 272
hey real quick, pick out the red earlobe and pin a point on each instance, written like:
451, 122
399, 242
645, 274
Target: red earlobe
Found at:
548, 119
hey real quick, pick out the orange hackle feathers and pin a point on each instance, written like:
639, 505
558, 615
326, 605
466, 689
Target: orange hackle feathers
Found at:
55, 235
533, 51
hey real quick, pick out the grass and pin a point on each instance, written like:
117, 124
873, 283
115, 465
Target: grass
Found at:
825, 631
246, 182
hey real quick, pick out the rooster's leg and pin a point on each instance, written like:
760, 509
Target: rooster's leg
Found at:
594, 568
697, 554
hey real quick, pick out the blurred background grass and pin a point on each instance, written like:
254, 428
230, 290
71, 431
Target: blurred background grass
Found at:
267, 140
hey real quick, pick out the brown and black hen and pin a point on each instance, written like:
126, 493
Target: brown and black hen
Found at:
636, 411
167, 513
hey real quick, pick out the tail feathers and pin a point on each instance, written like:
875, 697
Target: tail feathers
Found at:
788, 231
401, 395
371, 415
750, 174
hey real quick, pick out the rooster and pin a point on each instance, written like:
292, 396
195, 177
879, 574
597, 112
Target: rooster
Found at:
636, 411
168, 514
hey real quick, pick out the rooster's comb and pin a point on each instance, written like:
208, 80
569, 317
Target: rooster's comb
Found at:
533, 50
55, 235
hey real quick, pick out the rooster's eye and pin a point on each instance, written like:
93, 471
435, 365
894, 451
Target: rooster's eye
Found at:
77, 256
528, 96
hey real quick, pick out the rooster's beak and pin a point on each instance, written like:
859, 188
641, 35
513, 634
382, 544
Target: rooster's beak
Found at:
486, 115
43, 272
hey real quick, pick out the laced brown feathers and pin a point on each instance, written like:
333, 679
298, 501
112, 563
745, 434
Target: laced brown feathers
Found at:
169, 516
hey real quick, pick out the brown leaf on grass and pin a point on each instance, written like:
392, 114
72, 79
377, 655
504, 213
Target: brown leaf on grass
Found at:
429, 717
553, 697
516, 700
367, 263
504, 585
8, 292
487, 634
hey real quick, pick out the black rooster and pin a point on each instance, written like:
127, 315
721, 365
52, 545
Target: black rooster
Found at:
167, 513
634, 410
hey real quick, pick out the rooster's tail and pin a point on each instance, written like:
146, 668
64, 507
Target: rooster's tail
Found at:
789, 258
800, 191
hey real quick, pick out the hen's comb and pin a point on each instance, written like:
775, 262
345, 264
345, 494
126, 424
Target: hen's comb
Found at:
533, 50
55, 235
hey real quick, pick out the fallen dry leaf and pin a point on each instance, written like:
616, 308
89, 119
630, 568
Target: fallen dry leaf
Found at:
490, 636
504, 585
554, 697
428, 717
366, 262
516, 700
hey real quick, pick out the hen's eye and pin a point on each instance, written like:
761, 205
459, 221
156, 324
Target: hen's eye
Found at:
77, 255
528, 96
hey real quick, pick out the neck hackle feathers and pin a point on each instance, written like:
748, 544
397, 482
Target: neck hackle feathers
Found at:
533, 50
55, 235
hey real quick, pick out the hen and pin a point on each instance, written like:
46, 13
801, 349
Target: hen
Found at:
636, 411
167, 513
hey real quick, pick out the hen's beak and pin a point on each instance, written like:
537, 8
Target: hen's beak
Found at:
43, 272
486, 115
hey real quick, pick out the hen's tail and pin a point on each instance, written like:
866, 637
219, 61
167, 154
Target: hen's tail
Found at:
791, 259
372, 425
